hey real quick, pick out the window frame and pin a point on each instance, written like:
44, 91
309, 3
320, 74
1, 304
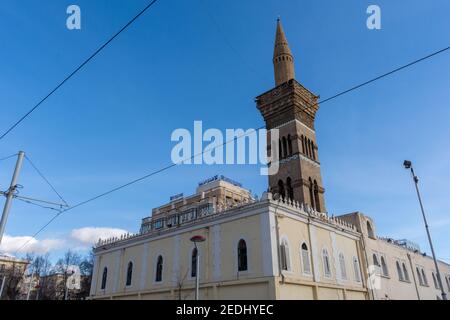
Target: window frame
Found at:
302, 259
325, 254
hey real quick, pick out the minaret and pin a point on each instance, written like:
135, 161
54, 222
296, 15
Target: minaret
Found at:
283, 60
291, 109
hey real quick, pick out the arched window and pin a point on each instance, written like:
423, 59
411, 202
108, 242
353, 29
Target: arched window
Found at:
303, 144
311, 193
306, 264
399, 271
424, 277
284, 255
194, 260
435, 281
405, 272
313, 150
242, 255
285, 150
316, 196
290, 191
280, 150
104, 278
289, 142
419, 276
129, 273
326, 263
342, 266
356, 270
281, 190
384, 267
310, 148
448, 284
159, 269
376, 263
370, 232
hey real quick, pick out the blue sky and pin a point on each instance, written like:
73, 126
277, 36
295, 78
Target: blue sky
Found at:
207, 60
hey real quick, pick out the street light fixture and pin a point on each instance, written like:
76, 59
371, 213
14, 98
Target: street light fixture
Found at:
408, 165
196, 239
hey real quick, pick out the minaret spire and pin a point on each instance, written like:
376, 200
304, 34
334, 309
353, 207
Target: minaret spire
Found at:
283, 60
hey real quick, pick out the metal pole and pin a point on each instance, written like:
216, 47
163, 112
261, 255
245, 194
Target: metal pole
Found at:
416, 183
10, 194
197, 274
2, 287
65, 294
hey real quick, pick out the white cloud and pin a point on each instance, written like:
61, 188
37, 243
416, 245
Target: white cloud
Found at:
78, 239
12, 244
90, 235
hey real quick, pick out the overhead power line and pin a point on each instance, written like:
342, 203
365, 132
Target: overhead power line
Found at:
8, 157
92, 56
46, 180
221, 145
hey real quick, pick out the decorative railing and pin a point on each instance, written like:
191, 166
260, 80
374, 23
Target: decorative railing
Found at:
297, 207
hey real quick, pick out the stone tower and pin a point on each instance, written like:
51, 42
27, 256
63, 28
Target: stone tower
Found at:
291, 108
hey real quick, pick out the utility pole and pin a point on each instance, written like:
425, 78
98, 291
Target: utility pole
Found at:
2, 287
408, 165
10, 193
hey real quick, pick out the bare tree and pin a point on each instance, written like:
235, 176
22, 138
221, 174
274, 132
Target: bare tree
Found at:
86, 269
62, 267
42, 268
180, 284
13, 276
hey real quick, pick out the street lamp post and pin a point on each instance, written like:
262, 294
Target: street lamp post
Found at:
196, 239
408, 165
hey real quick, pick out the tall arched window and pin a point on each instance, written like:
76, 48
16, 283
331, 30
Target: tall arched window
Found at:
289, 142
311, 193
424, 277
303, 144
242, 255
104, 278
419, 276
289, 190
356, 269
405, 272
284, 255
313, 150
448, 284
376, 263
280, 150
384, 267
309, 148
370, 232
194, 260
435, 281
399, 271
306, 264
159, 269
326, 263
342, 266
129, 273
316, 196
285, 150
281, 190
